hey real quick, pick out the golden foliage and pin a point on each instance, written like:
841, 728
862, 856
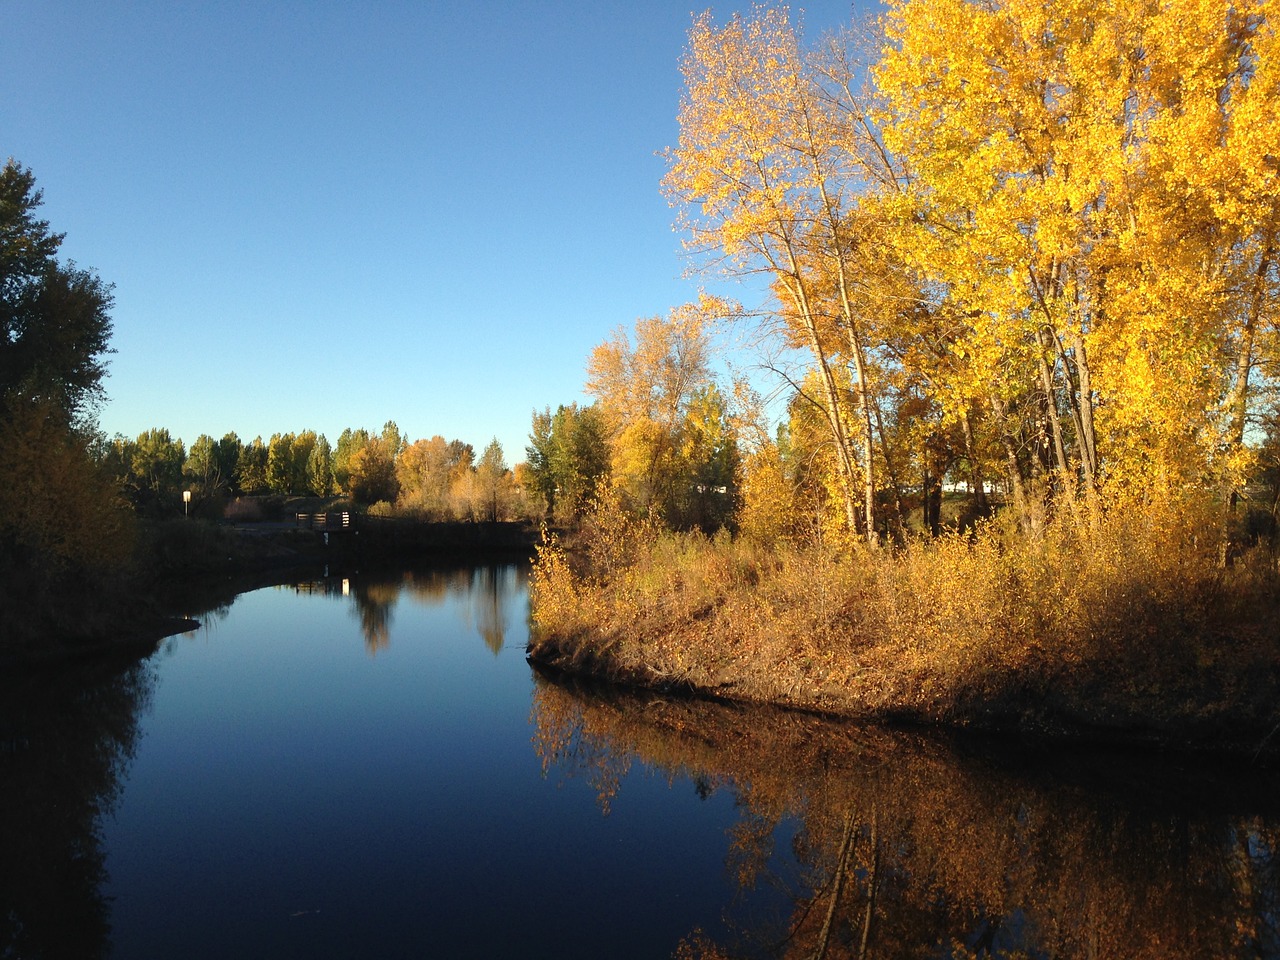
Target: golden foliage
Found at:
1054, 224
767, 498
1091, 188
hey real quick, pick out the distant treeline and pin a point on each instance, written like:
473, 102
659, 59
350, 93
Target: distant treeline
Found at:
432, 478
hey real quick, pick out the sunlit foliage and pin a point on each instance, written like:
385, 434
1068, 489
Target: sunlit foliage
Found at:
1040, 246
672, 450
1092, 195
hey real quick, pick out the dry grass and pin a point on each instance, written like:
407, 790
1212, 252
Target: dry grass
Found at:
1114, 620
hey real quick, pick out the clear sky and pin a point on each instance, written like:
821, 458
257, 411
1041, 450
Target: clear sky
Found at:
321, 215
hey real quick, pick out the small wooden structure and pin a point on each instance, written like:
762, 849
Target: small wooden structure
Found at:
325, 521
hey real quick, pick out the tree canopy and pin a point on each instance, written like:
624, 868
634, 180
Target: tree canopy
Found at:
1018, 239
62, 524
55, 323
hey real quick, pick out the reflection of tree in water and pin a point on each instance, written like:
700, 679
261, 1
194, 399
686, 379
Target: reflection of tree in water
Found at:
434, 587
907, 849
491, 590
65, 742
374, 601
483, 594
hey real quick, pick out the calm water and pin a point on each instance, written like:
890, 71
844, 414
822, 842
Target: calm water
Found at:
368, 767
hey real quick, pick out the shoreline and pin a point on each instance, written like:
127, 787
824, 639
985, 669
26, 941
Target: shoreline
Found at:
1019, 720
1109, 628
198, 567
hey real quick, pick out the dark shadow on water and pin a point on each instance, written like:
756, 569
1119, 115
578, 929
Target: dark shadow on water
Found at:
66, 739
899, 844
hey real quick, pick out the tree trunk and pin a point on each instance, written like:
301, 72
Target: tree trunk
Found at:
856, 347
848, 475
1051, 406
1021, 504
1238, 404
980, 505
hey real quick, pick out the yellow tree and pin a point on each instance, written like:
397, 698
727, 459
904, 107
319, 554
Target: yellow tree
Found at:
774, 153
1094, 189
425, 472
644, 390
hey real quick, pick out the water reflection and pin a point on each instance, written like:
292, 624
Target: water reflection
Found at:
902, 846
65, 743
484, 594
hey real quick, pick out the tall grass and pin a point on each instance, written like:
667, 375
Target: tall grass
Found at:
1114, 617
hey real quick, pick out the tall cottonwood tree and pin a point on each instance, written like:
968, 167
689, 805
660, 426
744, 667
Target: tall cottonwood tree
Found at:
774, 156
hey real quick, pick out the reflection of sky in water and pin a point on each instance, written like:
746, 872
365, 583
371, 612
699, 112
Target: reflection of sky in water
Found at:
292, 795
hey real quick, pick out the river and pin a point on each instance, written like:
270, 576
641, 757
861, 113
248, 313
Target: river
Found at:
367, 766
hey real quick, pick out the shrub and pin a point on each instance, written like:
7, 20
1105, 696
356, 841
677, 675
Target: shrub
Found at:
244, 510
1117, 614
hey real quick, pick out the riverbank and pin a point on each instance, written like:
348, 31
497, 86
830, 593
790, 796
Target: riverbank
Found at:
180, 566
1121, 629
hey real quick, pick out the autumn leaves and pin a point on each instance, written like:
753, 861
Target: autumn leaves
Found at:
1041, 237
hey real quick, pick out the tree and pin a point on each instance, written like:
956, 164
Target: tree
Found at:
709, 453
645, 390
462, 476
320, 468
494, 485
251, 468
300, 457
55, 324
289, 462
568, 458
155, 462
349, 441
281, 472
62, 528
371, 473
426, 472
201, 467
1093, 201
394, 440
774, 157
226, 456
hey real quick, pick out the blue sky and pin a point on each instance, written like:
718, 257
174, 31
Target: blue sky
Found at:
328, 215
